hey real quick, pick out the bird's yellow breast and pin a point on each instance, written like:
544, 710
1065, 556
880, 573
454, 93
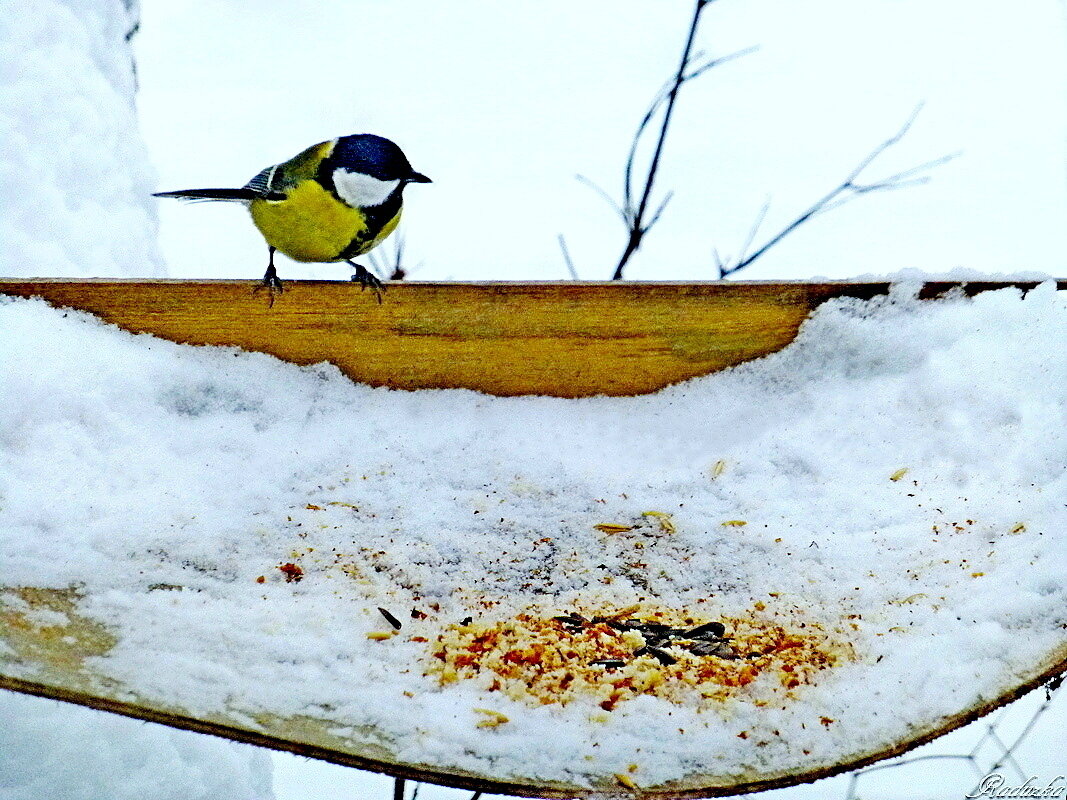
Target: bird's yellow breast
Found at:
310, 224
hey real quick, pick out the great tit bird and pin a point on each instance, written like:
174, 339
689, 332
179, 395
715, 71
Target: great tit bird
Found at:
332, 202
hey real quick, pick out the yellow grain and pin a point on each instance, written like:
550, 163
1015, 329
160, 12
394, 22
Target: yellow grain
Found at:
610, 527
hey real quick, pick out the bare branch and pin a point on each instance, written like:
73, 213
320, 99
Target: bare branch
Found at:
631, 157
398, 274
635, 213
718, 261
389, 265
637, 226
900, 180
660, 98
398, 789
849, 189
714, 62
752, 231
567, 257
904, 177
621, 212
656, 215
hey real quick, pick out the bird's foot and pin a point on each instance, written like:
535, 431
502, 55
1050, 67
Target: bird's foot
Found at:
367, 280
272, 283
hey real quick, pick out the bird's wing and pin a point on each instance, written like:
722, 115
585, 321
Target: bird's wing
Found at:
262, 183
268, 184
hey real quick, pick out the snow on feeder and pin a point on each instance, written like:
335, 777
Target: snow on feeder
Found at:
647, 581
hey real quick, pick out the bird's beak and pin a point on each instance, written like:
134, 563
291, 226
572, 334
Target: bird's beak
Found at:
418, 177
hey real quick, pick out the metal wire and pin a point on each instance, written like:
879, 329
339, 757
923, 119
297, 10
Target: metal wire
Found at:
979, 759
990, 753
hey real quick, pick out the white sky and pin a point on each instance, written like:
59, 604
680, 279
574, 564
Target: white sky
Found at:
502, 104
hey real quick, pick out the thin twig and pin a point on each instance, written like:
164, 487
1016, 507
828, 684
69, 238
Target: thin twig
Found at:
754, 229
662, 96
659, 211
398, 273
398, 789
567, 257
390, 267
848, 189
623, 212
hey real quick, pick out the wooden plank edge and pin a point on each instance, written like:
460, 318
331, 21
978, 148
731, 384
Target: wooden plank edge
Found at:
981, 284
538, 332
676, 791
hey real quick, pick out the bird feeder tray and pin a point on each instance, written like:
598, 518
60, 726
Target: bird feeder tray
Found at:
566, 339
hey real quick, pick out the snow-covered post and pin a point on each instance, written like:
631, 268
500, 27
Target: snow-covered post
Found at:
76, 177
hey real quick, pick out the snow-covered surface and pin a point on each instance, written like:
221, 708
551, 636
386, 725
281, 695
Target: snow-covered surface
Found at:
77, 183
939, 770
189, 473
55, 751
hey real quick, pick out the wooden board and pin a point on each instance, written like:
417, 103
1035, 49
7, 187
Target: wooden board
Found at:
55, 655
566, 339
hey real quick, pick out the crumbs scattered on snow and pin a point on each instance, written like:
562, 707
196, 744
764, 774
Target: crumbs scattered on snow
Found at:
131, 463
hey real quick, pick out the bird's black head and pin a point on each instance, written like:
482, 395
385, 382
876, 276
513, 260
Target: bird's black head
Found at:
375, 156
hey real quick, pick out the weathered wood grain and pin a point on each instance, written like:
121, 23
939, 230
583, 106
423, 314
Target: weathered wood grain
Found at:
566, 339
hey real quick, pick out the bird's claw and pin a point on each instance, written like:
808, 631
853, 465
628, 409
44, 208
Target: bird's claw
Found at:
367, 280
272, 283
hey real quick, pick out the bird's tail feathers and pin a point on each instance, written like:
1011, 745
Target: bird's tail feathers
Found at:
231, 195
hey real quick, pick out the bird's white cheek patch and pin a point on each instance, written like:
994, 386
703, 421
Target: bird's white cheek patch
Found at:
361, 190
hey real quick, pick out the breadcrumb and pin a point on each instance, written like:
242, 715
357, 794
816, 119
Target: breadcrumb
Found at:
545, 660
